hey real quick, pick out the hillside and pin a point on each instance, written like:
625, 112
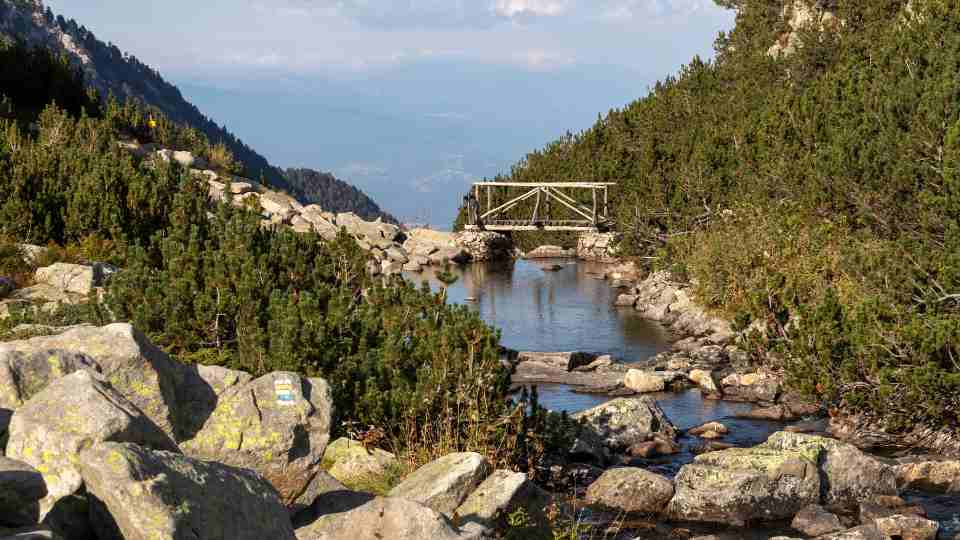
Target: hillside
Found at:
111, 71
807, 181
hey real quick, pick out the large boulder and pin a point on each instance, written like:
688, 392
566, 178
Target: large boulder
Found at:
73, 278
631, 490
277, 425
350, 461
500, 494
383, 517
198, 392
849, 475
277, 204
134, 367
321, 484
142, 494
24, 374
21, 488
744, 484
443, 484
484, 245
375, 232
73, 412
908, 527
623, 422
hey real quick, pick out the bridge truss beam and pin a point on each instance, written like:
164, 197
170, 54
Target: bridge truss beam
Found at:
495, 218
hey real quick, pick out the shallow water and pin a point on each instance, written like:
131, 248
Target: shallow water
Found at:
572, 310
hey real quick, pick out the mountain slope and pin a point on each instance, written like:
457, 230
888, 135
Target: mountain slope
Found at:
808, 182
111, 71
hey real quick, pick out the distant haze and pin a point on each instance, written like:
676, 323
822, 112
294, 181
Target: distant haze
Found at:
410, 100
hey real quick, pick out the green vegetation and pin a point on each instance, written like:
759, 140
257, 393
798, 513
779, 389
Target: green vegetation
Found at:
208, 284
816, 194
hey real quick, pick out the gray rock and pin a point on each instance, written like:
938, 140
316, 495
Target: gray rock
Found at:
625, 300
277, 425
321, 484
71, 413
21, 488
742, 484
383, 517
277, 204
704, 379
758, 386
24, 374
499, 495
851, 476
72, 278
631, 490
198, 393
443, 484
623, 422
642, 382
134, 367
350, 461
141, 494
815, 520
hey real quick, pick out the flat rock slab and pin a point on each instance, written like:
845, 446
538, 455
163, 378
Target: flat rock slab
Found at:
70, 414
141, 494
443, 484
931, 474
383, 517
815, 520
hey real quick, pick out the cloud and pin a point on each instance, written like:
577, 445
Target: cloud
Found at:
530, 8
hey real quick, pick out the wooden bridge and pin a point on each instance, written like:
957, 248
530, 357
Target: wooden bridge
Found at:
546, 206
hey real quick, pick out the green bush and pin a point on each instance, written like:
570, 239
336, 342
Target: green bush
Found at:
815, 194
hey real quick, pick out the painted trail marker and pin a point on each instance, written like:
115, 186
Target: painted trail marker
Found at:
283, 387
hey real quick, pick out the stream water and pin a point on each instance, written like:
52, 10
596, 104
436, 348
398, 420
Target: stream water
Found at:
565, 305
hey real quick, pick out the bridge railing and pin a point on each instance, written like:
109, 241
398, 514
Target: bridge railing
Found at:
494, 217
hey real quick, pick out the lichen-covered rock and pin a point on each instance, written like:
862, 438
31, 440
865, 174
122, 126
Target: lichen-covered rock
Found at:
623, 422
500, 494
21, 488
134, 367
631, 490
710, 430
815, 520
930, 474
277, 425
851, 475
743, 484
443, 484
199, 391
142, 494
349, 461
383, 517
23, 374
50, 430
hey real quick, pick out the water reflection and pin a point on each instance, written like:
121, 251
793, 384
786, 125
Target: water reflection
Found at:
564, 310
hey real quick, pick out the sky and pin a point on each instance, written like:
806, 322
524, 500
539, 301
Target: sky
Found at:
410, 100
